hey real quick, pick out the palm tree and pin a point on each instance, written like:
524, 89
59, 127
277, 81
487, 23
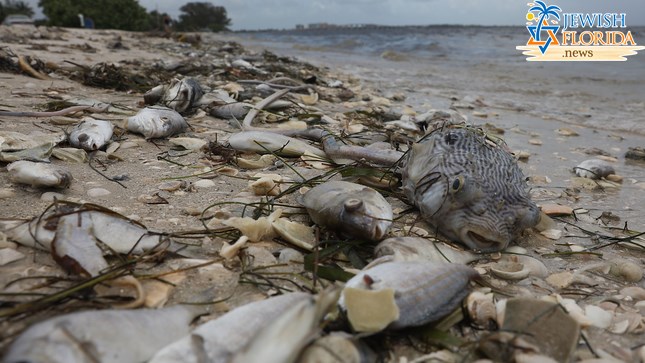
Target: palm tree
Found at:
544, 13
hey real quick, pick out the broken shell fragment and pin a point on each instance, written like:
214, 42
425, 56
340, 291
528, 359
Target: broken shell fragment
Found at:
260, 162
267, 184
156, 122
91, 134
406, 293
39, 174
296, 233
481, 309
188, 143
70, 154
256, 229
628, 270
509, 270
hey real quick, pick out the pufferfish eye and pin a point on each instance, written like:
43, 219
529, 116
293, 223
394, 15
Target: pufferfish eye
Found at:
457, 184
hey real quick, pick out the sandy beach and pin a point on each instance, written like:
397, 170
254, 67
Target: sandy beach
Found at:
558, 115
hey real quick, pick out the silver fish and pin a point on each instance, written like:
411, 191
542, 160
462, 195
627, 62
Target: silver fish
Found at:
353, 209
179, 95
106, 336
469, 187
75, 247
220, 339
421, 249
423, 291
39, 174
156, 122
91, 134
265, 142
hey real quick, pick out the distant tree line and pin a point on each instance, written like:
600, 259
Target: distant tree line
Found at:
122, 14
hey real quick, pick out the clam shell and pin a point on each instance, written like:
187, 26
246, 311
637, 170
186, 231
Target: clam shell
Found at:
421, 292
39, 174
508, 270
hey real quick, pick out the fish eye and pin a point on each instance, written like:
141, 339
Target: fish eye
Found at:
457, 184
353, 204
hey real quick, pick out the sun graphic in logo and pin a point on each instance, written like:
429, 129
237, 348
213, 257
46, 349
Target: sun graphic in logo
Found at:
530, 16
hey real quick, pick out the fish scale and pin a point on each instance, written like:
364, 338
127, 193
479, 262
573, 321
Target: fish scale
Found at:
470, 189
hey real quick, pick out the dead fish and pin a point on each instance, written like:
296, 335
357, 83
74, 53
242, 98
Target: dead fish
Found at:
353, 209
594, 169
220, 339
267, 142
119, 233
180, 95
105, 336
156, 122
403, 294
469, 187
75, 248
91, 134
421, 249
39, 174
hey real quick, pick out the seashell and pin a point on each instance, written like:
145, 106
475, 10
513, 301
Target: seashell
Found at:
481, 309
635, 292
70, 154
98, 192
227, 170
91, 134
594, 169
310, 99
561, 280
188, 143
267, 142
403, 294
296, 233
598, 317
171, 186
157, 292
509, 270
6, 193
156, 122
38, 153
553, 234
534, 266
204, 184
261, 162
349, 208
15, 141
537, 142
338, 347
315, 161
289, 255
255, 229
628, 270
556, 210
422, 249
564, 131
233, 88
522, 155
229, 251
614, 178
267, 184
38, 174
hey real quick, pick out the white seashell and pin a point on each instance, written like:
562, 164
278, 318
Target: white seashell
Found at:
296, 233
9, 255
267, 142
403, 294
509, 270
266, 186
556, 209
310, 99
315, 161
157, 292
628, 270
229, 251
91, 134
598, 317
38, 174
338, 347
553, 234
594, 169
70, 154
422, 249
188, 143
255, 229
98, 192
257, 163
565, 131
481, 308
204, 184
156, 122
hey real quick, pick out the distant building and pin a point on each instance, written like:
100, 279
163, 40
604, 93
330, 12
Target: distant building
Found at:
299, 27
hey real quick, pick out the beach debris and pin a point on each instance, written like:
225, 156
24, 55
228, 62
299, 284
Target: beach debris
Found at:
75, 248
119, 233
295, 233
70, 154
39, 174
179, 95
456, 176
422, 249
348, 208
635, 153
156, 122
481, 309
541, 324
266, 142
338, 347
594, 169
627, 270
220, 339
510, 270
565, 131
402, 294
16, 146
9, 255
107, 336
91, 134
556, 210
188, 143
266, 184
255, 229
257, 162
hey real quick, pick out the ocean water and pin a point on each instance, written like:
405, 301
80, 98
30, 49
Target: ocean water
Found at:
479, 62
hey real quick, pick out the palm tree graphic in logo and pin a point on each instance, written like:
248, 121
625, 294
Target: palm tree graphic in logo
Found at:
544, 13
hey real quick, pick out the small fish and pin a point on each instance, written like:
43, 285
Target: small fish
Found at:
220, 339
39, 174
403, 294
156, 122
421, 249
91, 134
266, 142
352, 209
179, 95
106, 336
594, 169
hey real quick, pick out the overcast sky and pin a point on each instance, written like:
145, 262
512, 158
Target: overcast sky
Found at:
261, 14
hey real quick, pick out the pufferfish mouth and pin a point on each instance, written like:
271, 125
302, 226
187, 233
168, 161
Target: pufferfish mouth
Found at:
484, 244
